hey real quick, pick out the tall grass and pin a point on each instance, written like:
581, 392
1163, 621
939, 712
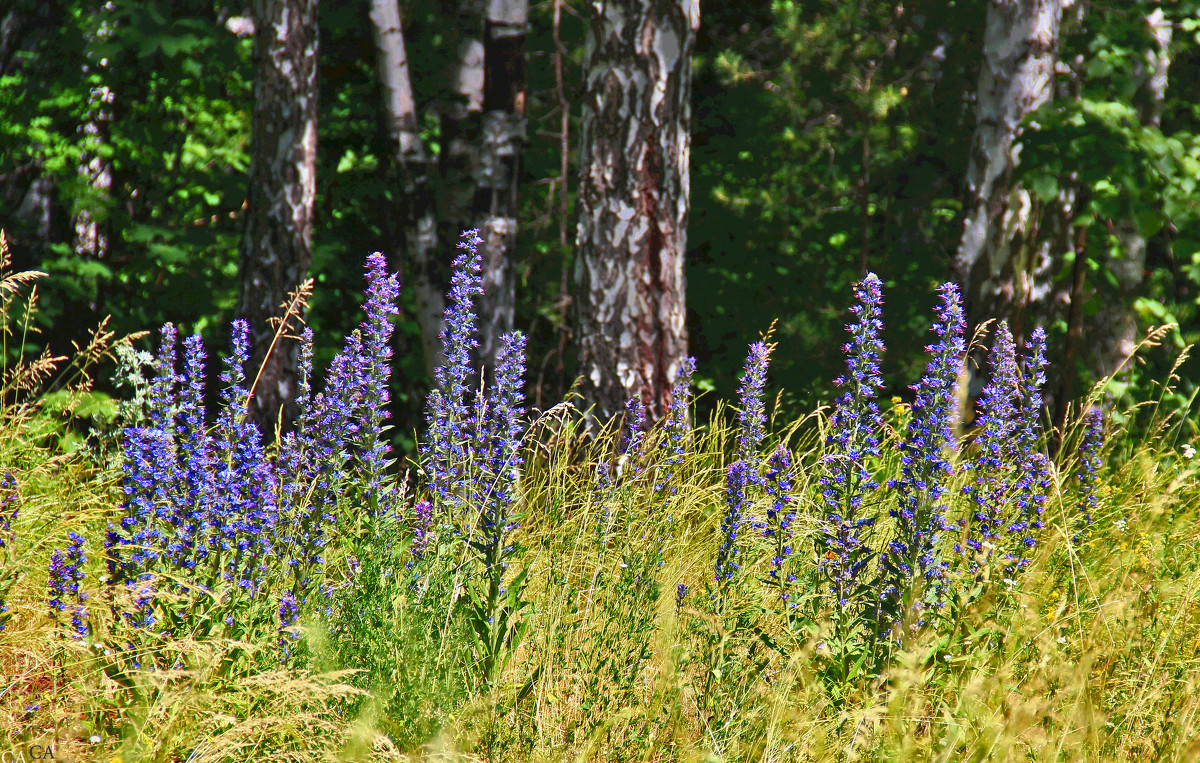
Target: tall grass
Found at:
542, 587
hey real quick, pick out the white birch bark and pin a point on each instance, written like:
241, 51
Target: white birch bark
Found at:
994, 258
412, 163
633, 201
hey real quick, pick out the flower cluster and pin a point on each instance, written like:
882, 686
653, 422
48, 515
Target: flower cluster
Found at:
1032, 485
1089, 462
737, 479
66, 573
925, 464
853, 441
634, 446
8, 498
780, 517
448, 413
208, 511
752, 416
991, 487
501, 415
9, 508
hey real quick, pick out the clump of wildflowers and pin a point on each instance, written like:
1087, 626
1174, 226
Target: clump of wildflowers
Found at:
207, 510
852, 442
925, 460
66, 573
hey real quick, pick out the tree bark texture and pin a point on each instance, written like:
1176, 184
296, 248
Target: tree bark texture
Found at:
276, 245
498, 175
997, 260
1114, 329
633, 201
412, 164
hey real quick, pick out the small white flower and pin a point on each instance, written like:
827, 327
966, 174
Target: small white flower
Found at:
1120, 524
1062, 639
94, 739
1189, 452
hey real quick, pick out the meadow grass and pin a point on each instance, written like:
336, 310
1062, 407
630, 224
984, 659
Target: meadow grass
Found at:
582, 620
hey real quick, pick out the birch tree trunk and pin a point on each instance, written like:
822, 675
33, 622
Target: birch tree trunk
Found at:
995, 260
1114, 328
461, 121
276, 247
633, 201
498, 176
411, 161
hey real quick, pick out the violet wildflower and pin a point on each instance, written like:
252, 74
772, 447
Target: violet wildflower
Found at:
245, 510
446, 451
678, 425
422, 529
189, 545
9, 508
289, 614
1089, 462
736, 482
8, 497
925, 463
991, 488
501, 440
1032, 485
375, 365
66, 573
752, 416
780, 517
854, 440
632, 449
681, 591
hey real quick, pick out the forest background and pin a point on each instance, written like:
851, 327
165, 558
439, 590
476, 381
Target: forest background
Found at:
827, 139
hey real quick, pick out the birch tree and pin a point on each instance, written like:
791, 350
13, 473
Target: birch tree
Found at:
498, 176
994, 260
276, 247
633, 201
411, 160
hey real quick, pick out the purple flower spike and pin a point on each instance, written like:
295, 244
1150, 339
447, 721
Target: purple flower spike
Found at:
925, 463
753, 417
66, 573
780, 517
502, 443
992, 486
1032, 485
448, 411
853, 441
735, 501
1089, 462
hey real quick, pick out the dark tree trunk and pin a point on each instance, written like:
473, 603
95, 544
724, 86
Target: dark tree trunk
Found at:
276, 246
997, 260
418, 222
498, 177
633, 201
